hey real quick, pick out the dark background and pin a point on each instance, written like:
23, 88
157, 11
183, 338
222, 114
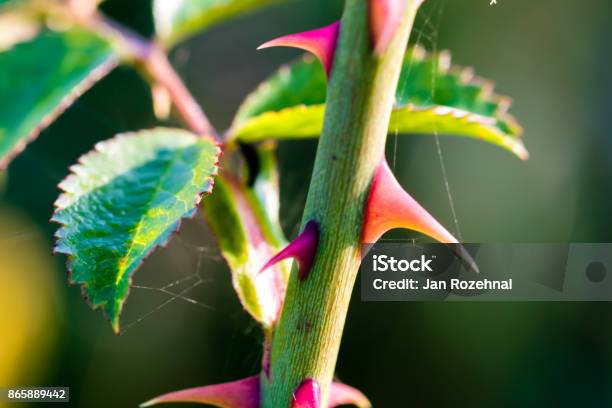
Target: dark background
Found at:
552, 56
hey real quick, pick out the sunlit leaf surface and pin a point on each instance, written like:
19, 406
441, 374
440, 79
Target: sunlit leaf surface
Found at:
432, 97
40, 78
125, 198
175, 20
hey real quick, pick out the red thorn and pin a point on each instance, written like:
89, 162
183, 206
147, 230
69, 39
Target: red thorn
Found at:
385, 16
303, 248
342, 394
390, 206
307, 395
236, 394
320, 42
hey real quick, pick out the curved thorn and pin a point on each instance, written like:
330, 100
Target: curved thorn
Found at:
236, 394
321, 42
303, 249
389, 206
342, 394
307, 395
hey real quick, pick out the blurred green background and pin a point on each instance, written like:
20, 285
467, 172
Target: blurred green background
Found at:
552, 56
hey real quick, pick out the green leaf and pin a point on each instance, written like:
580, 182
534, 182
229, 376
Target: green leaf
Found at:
125, 198
432, 97
301, 83
295, 122
175, 20
451, 121
244, 216
40, 78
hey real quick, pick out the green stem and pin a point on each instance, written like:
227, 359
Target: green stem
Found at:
359, 101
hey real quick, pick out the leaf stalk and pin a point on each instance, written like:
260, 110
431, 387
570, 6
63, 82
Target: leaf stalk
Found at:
153, 60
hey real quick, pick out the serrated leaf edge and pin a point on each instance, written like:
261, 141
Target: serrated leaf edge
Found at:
512, 142
94, 76
466, 76
70, 256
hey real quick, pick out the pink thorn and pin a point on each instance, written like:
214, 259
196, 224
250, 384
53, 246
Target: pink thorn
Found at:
385, 16
390, 206
320, 42
307, 395
237, 394
303, 248
342, 394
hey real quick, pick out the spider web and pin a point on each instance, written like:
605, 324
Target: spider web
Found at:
425, 32
184, 280
180, 289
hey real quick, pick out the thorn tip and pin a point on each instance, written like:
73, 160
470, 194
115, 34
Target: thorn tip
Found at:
321, 42
303, 249
389, 206
236, 394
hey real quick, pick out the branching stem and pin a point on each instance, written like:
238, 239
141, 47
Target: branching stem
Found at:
154, 62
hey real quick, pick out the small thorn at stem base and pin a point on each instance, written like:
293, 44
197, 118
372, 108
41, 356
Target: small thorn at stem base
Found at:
307, 395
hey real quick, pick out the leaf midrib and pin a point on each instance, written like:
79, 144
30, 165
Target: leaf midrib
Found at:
123, 267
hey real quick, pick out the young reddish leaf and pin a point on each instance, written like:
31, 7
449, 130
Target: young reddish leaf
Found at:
122, 200
303, 249
245, 220
236, 394
307, 395
64, 65
321, 42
